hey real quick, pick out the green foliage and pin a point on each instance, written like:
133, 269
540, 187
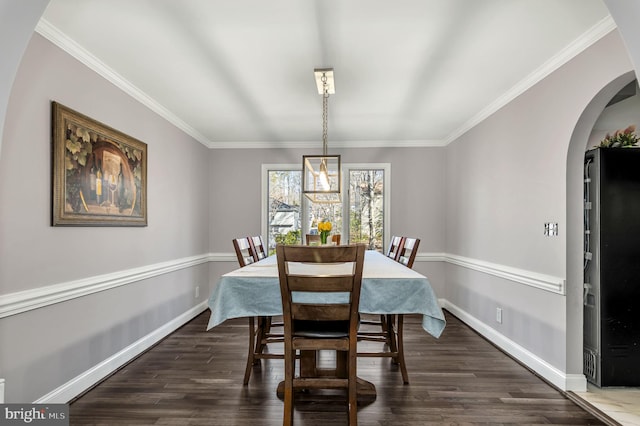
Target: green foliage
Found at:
621, 138
290, 238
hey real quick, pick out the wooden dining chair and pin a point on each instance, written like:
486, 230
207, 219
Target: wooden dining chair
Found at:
244, 251
391, 326
392, 252
260, 328
267, 335
408, 250
312, 238
259, 249
335, 238
381, 335
394, 247
310, 326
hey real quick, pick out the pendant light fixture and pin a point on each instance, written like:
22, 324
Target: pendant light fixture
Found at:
321, 174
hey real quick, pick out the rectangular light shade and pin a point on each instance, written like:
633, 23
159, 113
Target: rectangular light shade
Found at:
321, 178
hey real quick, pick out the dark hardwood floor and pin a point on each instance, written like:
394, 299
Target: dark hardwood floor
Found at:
194, 377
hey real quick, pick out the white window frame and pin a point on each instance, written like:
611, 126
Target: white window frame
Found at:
304, 204
264, 193
386, 167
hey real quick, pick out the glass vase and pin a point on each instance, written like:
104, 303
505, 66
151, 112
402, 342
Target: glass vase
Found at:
323, 237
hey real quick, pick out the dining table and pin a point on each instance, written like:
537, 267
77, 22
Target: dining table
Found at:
388, 288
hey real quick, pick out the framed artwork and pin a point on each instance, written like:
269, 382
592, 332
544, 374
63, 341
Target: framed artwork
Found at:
99, 173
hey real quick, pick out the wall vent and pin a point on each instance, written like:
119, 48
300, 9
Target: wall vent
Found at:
589, 365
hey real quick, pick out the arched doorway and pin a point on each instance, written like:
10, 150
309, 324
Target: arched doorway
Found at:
575, 224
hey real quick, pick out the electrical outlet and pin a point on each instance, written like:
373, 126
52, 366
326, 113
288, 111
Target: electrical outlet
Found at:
499, 315
197, 291
551, 229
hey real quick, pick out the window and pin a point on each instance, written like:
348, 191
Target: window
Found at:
367, 207
361, 217
282, 208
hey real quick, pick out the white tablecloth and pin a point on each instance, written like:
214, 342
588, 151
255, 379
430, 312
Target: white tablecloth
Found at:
387, 288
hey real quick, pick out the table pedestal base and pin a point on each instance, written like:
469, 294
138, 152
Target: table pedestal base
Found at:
366, 391
309, 368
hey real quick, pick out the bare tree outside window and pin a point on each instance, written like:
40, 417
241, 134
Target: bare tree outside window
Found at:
360, 217
366, 208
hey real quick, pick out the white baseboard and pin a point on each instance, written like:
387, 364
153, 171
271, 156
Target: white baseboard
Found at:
563, 381
15, 303
89, 378
84, 381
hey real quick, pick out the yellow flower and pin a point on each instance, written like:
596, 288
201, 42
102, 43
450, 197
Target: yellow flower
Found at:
324, 226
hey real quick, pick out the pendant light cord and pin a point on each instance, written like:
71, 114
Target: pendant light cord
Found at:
325, 113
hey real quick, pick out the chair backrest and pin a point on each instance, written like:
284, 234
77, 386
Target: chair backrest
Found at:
408, 251
394, 247
259, 250
320, 269
312, 238
335, 238
244, 251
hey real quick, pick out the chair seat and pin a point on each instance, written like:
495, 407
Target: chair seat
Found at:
321, 329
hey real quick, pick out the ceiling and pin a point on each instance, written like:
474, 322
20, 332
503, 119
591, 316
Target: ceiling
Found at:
407, 72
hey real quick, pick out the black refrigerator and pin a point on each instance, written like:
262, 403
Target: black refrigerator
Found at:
612, 267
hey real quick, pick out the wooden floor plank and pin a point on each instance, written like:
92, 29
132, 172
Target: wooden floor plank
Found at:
194, 377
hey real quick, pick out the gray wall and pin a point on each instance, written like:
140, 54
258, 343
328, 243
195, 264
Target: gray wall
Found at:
77, 334
43, 348
417, 175
416, 178
505, 178
17, 20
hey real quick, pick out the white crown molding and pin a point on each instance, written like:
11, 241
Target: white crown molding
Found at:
595, 33
532, 279
563, 381
23, 301
64, 42
60, 39
79, 384
334, 144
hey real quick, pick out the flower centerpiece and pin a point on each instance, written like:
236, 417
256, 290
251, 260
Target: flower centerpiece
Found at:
325, 229
621, 138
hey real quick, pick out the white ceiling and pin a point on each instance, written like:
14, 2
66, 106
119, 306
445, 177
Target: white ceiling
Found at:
407, 72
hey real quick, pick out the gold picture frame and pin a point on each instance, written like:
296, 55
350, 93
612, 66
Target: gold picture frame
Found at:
99, 174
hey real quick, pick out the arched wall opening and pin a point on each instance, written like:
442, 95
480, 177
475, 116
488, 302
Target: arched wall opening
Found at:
575, 222
17, 21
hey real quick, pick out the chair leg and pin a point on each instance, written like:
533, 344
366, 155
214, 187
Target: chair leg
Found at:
262, 330
289, 372
391, 336
383, 323
250, 355
353, 388
403, 366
